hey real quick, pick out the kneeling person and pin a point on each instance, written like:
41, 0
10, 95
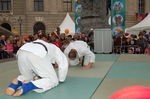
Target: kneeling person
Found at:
79, 50
35, 59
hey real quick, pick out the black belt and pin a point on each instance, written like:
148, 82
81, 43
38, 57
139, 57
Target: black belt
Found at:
82, 61
42, 45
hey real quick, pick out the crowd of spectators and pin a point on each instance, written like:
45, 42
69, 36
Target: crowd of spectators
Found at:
10, 45
132, 44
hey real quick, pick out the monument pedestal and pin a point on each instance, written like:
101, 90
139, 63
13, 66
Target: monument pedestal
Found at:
93, 15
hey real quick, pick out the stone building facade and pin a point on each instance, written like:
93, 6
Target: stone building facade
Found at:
27, 16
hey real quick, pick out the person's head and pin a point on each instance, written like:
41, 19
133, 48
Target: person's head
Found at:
3, 37
72, 54
132, 42
121, 34
8, 41
140, 35
128, 39
144, 32
63, 36
75, 36
83, 35
130, 51
69, 37
11, 38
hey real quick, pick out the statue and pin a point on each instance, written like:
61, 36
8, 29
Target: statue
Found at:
94, 14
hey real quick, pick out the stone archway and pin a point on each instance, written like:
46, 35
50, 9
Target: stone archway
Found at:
6, 26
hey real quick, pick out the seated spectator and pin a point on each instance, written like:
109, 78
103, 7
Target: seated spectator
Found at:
91, 41
69, 38
65, 44
3, 40
137, 50
75, 37
82, 37
119, 43
130, 51
17, 45
147, 50
62, 37
140, 42
9, 48
1, 51
57, 42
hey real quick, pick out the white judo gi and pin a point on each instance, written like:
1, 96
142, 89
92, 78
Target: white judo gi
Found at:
34, 59
82, 50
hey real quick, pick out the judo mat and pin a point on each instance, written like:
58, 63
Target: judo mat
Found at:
110, 73
73, 88
127, 70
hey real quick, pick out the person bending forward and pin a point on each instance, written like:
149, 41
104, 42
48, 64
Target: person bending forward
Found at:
77, 50
35, 60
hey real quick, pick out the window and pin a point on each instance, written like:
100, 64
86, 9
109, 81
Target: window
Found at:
68, 5
38, 5
5, 5
141, 6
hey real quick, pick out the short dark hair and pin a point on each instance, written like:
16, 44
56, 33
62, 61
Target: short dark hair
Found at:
70, 36
72, 54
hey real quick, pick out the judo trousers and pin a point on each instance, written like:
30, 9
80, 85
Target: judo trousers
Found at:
30, 64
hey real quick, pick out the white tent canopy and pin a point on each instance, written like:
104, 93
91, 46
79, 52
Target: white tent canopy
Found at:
68, 24
143, 25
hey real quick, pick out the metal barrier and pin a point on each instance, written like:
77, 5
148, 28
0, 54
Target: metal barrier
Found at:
5, 55
125, 48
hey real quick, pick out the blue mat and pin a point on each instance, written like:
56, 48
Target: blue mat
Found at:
106, 57
130, 70
73, 88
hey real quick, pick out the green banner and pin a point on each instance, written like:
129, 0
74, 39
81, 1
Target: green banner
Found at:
78, 9
118, 8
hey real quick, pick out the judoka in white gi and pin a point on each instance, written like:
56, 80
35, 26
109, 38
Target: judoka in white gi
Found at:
77, 50
36, 59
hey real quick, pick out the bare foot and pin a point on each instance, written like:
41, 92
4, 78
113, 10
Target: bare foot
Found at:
11, 91
86, 67
18, 93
